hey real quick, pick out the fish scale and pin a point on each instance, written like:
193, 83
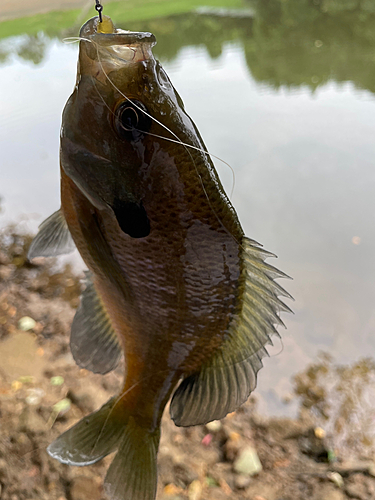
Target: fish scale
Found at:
173, 284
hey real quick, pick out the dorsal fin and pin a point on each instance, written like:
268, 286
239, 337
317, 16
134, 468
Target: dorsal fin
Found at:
226, 381
53, 238
93, 341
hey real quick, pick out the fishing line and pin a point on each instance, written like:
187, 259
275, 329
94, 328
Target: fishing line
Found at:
200, 150
281, 350
178, 141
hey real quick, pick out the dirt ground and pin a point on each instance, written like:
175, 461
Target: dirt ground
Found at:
11, 9
43, 392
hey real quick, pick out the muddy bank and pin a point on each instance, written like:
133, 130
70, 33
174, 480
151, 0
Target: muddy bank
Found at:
43, 392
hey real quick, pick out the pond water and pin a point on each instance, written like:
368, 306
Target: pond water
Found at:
283, 94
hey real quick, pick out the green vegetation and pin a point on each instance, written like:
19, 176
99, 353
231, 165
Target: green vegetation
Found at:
309, 42
288, 43
58, 23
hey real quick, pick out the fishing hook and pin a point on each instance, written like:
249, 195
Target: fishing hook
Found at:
99, 8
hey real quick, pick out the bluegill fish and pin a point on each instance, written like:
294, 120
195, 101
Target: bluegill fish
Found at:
173, 283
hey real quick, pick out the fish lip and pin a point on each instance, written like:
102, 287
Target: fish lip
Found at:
123, 38
120, 37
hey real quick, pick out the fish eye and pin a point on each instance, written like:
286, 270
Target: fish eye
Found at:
131, 119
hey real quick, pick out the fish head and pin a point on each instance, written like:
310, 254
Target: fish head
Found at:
122, 99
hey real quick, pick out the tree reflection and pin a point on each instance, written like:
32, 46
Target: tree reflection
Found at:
33, 49
288, 43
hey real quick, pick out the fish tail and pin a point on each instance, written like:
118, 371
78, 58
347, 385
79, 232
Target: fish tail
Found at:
132, 474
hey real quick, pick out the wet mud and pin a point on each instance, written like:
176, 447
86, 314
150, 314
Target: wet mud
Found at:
244, 456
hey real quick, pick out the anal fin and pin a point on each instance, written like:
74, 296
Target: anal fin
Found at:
89, 440
93, 341
133, 472
227, 379
53, 238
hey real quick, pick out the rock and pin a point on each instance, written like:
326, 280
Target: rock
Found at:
57, 380
371, 469
62, 407
248, 462
319, 433
214, 426
207, 440
336, 478
195, 490
34, 396
26, 323
171, 489
84, 488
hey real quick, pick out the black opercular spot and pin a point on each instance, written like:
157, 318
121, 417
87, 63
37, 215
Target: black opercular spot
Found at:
131, 120
132, 218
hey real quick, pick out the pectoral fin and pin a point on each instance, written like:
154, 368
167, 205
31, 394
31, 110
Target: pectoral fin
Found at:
226, 381
52, 239
93, 341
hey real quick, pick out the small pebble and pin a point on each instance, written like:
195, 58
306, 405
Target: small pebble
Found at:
336, 478
214, 426
62, 406
171, 489
26, 323
195, 490
58, 380
206, 441
16, 385
248, 462
34, 396
319, 433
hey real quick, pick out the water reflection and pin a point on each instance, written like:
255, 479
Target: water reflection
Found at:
287, 43
340, 400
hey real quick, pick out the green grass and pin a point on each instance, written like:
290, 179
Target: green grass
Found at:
56, 23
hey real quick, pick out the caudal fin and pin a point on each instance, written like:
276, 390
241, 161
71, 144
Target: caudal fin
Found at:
133, 472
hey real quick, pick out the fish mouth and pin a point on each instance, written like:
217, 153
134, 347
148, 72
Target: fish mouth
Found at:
132, 46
